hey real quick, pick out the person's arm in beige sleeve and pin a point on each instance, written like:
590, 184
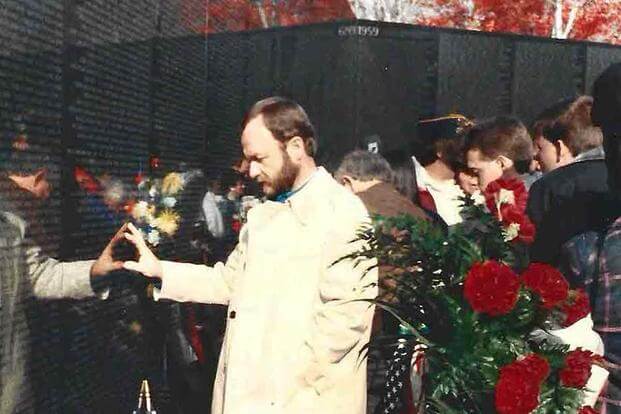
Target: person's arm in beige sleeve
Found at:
185, 282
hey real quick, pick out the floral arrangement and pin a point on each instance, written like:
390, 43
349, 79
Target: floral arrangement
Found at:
154, 209
481, 311
506, 200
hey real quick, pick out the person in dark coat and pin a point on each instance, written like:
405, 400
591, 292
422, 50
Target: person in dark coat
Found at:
593, 258
568, 148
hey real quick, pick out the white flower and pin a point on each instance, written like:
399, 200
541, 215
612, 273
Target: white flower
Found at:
140, 210
511, 232
153, 191
506, 197
143, 234
169, 202
153, 238
478, 199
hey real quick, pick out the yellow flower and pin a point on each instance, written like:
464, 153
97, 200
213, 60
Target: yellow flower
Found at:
167, 222
172, 183
140, 210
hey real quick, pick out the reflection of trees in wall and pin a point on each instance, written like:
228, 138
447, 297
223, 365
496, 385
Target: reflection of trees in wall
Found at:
576, 19
407, 11
236, 15
595, 20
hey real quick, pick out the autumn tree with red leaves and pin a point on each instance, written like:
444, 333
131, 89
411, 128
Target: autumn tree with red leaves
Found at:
237, 15
595, 20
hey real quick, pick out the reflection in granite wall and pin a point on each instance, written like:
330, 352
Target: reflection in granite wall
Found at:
475, 74
98, 92
397, 82
92, 91
377, 79
31, 111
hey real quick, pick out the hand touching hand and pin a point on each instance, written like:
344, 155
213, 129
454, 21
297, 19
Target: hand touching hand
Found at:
148, 264
105, 263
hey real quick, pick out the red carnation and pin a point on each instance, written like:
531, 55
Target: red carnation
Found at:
496, 198
516, 394
526, 228
517, 390
577, 369
536, 366
587, 410
547, 282
576, 307
491, 288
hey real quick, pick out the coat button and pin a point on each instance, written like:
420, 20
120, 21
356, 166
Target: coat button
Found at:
232, 314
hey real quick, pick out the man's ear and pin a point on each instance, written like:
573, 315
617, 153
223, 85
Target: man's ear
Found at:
505, 163
296, 148
562, 150
346, 181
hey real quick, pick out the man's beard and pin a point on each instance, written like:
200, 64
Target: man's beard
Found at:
286, 176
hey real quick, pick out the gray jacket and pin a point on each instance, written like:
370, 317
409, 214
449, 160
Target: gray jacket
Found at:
25, 274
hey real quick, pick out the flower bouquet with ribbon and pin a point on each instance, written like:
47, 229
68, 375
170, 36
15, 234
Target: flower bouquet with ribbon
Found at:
487, 331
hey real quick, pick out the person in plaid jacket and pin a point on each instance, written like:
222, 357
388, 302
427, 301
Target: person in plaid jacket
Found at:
593, 259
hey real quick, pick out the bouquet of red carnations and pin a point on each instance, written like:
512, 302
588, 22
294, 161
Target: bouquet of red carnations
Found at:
486, 318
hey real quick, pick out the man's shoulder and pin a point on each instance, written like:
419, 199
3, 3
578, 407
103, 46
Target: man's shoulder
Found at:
340, 200
587, 173
577, 169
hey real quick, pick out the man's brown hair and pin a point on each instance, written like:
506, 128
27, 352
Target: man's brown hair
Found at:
570, 121
285, 119
503, 135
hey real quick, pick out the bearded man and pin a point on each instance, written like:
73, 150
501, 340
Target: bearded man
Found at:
298, 316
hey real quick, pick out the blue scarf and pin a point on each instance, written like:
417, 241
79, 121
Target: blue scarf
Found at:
285, 195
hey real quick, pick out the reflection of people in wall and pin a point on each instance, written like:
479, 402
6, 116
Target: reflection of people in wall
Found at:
210, 212
27, 272
229, 205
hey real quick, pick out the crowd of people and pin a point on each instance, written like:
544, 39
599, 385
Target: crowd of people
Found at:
297, 311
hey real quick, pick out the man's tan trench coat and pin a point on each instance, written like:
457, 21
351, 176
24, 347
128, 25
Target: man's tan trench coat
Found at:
296, 325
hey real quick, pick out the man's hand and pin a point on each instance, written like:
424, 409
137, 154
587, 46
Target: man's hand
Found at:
147, 263
105, 263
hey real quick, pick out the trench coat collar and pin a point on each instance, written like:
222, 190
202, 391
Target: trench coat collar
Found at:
305, 202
